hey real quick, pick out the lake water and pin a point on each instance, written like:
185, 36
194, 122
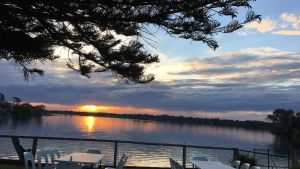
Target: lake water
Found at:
138, 130
135, 130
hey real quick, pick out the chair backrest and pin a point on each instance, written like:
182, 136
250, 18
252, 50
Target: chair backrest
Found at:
236, 164
254, 167
245, 166
122, 162
42, 153
52, 152
200, 158
68, 166
28, 156
174, 164
56, 151
93, 151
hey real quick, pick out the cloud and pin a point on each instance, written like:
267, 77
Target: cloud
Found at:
166, 65
287, 24
179, 97
267, 51
266, 25
253, 66
287, 32
243, 33
292, 19
252, 82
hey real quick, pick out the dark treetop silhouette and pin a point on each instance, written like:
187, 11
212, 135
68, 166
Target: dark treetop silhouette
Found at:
31, 29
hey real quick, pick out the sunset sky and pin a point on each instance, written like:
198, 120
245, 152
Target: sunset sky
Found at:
254, 71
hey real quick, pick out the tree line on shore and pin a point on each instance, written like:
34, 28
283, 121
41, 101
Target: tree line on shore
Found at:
17, 109
177, 119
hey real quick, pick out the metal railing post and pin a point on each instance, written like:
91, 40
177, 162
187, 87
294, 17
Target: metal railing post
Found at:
184, 156
268, 158
34, 145
288, 153
115, 154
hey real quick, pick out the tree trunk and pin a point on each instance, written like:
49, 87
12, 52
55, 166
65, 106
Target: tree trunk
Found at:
19, 149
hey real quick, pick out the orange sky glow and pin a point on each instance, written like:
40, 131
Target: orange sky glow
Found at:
99, 108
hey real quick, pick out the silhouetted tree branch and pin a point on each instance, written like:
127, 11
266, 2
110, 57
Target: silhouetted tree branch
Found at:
31, 29
16, 100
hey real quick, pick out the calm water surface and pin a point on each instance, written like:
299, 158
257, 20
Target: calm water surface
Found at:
137, 130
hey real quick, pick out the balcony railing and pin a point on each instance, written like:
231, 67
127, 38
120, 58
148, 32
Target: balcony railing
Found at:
141, 154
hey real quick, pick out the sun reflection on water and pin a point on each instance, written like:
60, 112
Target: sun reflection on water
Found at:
90, 123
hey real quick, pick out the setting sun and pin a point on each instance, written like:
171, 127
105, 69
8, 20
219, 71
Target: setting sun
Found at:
89, 108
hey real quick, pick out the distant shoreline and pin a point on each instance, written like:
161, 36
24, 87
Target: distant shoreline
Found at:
254, 125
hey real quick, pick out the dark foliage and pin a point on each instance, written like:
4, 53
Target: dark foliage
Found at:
19, 111
286, 128
286, 121
26, 110
5, 108
31, 29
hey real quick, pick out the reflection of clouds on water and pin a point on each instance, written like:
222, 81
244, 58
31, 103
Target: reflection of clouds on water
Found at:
138, 130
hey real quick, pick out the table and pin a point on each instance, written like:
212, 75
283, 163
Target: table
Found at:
210, 165
83, 158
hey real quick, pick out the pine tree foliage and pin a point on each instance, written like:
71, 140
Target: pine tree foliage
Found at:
31, 29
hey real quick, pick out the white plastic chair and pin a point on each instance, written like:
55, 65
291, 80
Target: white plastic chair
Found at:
56, 151
174, 164
236, 164
68, 166
52, 152
121, 163
245, 166
42, 153
254, 167
28, 156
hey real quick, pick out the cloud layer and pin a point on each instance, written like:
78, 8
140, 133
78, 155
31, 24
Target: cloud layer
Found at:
251, 82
